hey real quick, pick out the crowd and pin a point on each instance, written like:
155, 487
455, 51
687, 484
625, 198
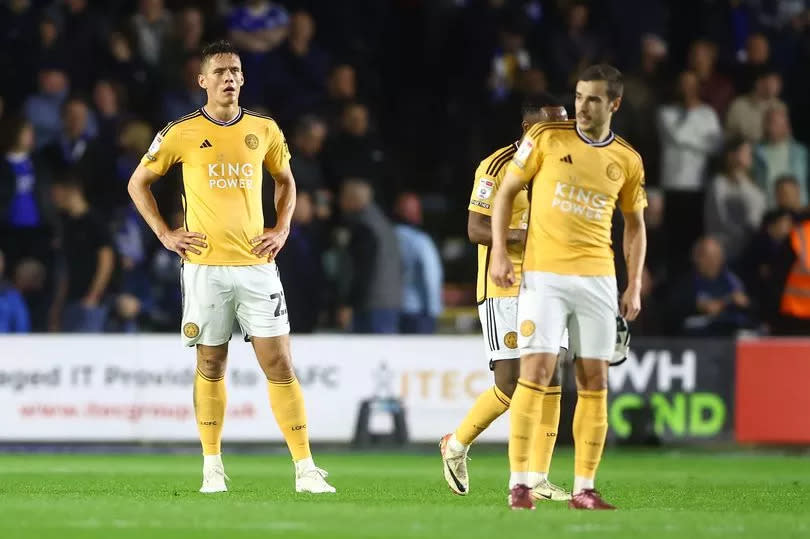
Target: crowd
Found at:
388, 107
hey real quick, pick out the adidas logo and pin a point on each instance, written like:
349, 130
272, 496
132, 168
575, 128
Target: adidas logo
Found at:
566, 159
206, 144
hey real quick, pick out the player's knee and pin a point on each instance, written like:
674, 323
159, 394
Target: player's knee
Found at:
507, 386
278, 366
593, 381
211, 364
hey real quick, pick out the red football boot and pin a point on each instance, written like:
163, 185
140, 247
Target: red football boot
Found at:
588, 499
520, 497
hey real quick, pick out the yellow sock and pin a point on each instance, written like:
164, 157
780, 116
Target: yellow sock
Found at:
489, 406
209, 409
545, 434
527, 405
287, 402
590, 430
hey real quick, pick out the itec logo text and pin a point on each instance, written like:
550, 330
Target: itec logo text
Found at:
230, 176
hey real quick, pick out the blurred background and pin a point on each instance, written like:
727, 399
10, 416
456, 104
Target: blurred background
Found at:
391, 105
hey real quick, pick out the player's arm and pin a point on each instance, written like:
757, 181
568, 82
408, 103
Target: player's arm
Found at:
635, 250
479, 230
140, 191
273, 239
105, 264
524, 165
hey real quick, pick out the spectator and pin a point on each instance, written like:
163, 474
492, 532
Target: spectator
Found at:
747, 112
341, 90
756, 56
24, 215
178, 103
51, 46
573, 48
734, 204
109, 105
373, 298
715, 88
152, 24
307, 141
43, 108
711, 301
256, 28
132, 245
354, 151
509, 61
30, 278
421, 269
302, 66
690, 133
123, 66
13, 311
82, 38
780, 154
88, 262
301, 266
787, 194
184, 41
656, 259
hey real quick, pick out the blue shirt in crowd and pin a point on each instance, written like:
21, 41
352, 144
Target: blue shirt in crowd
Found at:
13, 312
421, 272
23, 211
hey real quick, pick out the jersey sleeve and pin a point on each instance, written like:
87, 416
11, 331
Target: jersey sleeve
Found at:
164, 152
278, 155
483, 193
633, 196
528, 157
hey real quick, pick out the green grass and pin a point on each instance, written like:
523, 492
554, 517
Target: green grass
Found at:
660, 493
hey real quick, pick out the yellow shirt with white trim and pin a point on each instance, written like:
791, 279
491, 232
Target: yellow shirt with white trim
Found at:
575, 184
488, 178
222, 178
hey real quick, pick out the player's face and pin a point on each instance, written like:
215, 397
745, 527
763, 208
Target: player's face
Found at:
593, 106
222, 78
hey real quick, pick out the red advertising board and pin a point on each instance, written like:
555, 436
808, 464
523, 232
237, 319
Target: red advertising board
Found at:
772, 396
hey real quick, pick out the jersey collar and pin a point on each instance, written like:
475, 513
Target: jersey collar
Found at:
594, 143
232, 121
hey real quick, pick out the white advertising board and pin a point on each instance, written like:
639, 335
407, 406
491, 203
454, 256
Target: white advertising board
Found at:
138, 388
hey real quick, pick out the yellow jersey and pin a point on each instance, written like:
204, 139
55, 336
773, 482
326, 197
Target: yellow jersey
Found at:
574, 185
488, 177
222, 178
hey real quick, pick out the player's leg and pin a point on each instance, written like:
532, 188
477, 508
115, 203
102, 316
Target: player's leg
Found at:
545, 438
208, 313
542, 317
262, 314
498, 316
593, 336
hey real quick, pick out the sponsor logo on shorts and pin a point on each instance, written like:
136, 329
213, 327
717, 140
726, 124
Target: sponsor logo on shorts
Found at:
614, 172
191, 330
252, 141
510, 339
527, 328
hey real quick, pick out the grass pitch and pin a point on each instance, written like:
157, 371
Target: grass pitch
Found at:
660, 494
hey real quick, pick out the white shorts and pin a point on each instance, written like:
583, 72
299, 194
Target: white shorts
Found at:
587, 306
213, 296
499, 324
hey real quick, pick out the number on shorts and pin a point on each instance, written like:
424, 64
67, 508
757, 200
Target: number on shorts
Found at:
281, 305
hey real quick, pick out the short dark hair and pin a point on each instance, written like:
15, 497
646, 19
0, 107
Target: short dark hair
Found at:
68, 178
784, 179
533, 104
221, 46
612, 76
734, 143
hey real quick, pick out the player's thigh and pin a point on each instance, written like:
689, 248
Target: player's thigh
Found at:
260, 306
592, 325
499, 328
208, 304
543, 311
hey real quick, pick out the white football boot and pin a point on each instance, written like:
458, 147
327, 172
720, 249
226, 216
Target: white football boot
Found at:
213, 475
310, 478
454, 467
546, 490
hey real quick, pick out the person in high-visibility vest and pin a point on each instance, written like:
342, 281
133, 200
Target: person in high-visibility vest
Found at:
795, 304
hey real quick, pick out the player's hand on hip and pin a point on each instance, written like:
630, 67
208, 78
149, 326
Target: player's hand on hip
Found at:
182, 242
270, 242
501, 270
631, 303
